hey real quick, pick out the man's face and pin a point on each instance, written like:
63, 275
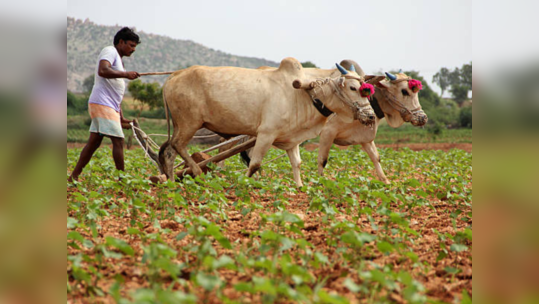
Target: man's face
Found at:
127, 47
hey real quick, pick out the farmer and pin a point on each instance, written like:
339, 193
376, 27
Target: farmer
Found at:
105, 100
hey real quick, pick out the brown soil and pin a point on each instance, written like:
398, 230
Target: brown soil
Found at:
240, 229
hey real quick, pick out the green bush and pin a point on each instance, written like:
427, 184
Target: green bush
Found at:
465, 117
155, 113
446, 113
76, 105
78, 122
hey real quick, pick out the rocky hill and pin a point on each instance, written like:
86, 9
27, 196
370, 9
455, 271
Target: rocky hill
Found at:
85, 40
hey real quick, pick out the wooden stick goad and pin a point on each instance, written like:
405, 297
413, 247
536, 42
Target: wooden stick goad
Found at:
155, 73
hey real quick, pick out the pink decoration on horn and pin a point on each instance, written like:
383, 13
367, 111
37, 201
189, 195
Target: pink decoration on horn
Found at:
415, 85
366, 90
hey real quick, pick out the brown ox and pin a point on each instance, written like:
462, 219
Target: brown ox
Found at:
262, 103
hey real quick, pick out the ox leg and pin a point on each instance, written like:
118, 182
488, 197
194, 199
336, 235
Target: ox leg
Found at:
295, 161
181, 147
167, 155
326, 141
262, 145
371, 150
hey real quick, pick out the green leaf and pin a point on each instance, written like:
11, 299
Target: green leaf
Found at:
321, 258
421, 193
120, 245
351, 285
208, 282
330, 298
442, 255
223, 261
452, 270
458, 247
111, 254
286, 243
245, 211
224, 242
413, 182
412, 256
385, 247
245, 287
71, 223
181, 235
264, 285
465, 297
74, 235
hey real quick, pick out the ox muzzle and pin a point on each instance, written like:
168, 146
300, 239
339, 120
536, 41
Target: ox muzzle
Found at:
419, 118
364, 113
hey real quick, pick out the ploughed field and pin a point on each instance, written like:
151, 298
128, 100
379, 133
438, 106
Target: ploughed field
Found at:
224, 237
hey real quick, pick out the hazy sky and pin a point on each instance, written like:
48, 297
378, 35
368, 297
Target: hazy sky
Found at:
422, 35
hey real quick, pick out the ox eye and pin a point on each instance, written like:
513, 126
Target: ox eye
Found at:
353, 88
405, 92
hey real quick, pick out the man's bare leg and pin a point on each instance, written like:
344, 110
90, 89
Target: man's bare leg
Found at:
118, 152
88, 151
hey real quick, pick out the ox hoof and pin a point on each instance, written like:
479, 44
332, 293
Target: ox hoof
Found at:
159, 179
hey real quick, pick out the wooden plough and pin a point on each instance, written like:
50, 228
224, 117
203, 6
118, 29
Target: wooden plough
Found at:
148, 145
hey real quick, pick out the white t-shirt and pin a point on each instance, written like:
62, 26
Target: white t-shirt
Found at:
109, 91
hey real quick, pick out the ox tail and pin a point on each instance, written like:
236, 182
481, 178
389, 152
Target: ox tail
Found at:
166, 108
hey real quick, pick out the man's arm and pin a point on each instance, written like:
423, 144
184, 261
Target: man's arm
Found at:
105, 70
125, 122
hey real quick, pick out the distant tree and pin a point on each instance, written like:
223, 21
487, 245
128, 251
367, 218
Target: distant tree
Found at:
88, 84
460, 93
454, 77
442, 79
466, 75
461, 83
308, 64
149, 94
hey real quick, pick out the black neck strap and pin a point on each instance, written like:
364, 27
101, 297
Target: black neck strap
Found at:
376, 107
321, 107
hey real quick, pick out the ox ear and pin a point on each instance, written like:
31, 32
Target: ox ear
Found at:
374, 80
368, 78
299, 84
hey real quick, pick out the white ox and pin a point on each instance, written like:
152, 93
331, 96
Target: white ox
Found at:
393, 100
257, 102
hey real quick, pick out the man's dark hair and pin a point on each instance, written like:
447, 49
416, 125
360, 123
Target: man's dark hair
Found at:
126, 34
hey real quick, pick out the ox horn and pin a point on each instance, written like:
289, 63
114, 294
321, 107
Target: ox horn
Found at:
391, 76
343, 70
